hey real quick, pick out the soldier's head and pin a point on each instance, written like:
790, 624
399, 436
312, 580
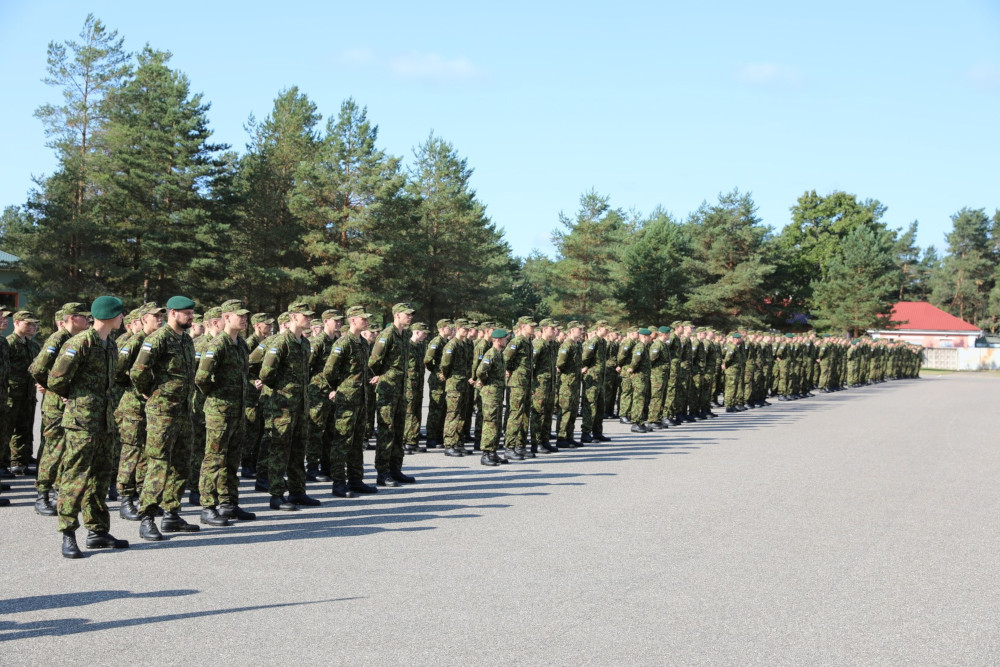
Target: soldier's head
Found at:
357, 319
23, 321
526, 326
445, 328
75, 317
180, 313
645, 335
499, 338
263, 324
418, 332
548, 329
601, 327
234, 317
461, 328
197, 326
332, 319
575, 330
300, 316
402, 315
316, 326
107, 312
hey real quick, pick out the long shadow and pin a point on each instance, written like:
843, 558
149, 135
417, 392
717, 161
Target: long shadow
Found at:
59, 600
12, 630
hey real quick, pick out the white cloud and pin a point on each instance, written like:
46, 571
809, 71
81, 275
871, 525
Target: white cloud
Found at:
769, 74
433, 67
984, 75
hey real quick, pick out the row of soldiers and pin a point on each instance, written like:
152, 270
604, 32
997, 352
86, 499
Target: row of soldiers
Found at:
194, 401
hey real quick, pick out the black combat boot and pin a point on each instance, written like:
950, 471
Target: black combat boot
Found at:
280, 503
148, 529
384, 478
128, 509
173, 523
210, 517
235, 512
43, 505
69, 547
97, 540
359, 486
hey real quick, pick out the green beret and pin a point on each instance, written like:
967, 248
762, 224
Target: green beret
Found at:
644, 332
499, 333
789, 335
103, 308
735, 334
402, 308
332, 314
441, 324
664, 329
179, 303
358, 311
418, 326
301, 307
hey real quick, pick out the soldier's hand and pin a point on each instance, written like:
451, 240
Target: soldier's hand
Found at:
333, 395
65, 400
583, 370
259, 384
441, 376
507, 373
618, 369
374, 380
471, 381
40, 388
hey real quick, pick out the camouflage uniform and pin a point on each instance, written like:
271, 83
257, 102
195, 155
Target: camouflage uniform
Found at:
346, 372
52, 412
415, 372
659, 377
733, 359
624, 357
595, 353
542, 396
388, 360
455, 367
437, 406
21, 399
285, 371
83, 374
164, 371
518, 362
491, 373
568, 365
201, 344
222, 377
320, 408
130, 417
639, 371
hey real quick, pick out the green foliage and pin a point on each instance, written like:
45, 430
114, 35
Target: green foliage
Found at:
963, 283
655, 282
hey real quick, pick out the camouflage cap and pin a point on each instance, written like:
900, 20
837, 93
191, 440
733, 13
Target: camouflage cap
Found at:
315, 323
675, 324
632, 330
601, 323
131, 316
213, 313
332, 314
402, 308
547, 322
461, 323
358, 311
301, 307
28, 316
418, 326
233, 306
196, 319
283, 318
473, 323
261, 318
6, 313
526, 321
573, 324
74, 308
441, 324
150, 308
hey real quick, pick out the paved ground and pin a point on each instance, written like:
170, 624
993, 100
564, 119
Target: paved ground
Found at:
856, 528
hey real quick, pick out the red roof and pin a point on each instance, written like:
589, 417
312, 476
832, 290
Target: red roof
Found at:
922, 316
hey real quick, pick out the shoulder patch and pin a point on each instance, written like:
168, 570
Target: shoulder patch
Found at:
124, 351
337, 349
210, 353
147, 346
70, 353
273, 350
50, 349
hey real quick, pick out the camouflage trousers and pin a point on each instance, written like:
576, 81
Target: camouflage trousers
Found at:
542, 401
197, 447
611, 382
84, 477
348, 444
733, 395
391, 410
516, 434
168, 455
318, 447
132, 435
50, 456
254, 451
288, 432
569, 401
492, 408
658, 380
784, 378
6, 428
437, 409
592, 408
825, 375
640, 397
456, 395
625, 402
677, 390
224, 434
414, 412
21, 414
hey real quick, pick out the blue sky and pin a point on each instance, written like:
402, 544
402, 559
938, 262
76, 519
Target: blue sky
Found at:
651, 103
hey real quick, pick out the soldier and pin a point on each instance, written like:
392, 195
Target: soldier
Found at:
479, 349
623, 360
213, 328
285, 371
593, 362
223, 378
437, 407
518, 362
611, 379
346, 374
454, 371
369, 336
320, 406
130, 414
542, 396
73, 319
659, 376
252, 451
21, 398
568, 365
388, 362
83, 375
638, 369
5, 472
163, 374
415, 372
491, 376
732, 367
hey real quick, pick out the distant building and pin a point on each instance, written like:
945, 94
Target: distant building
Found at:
10, 298
925, 325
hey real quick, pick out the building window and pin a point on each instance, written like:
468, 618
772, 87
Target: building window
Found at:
8, 300
945, 342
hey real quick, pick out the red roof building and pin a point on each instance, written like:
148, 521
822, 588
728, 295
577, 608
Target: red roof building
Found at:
920, 322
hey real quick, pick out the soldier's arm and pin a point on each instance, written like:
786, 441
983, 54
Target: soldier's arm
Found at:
142, 370
204, 377
334, 371
272, 360
64, 369
447, 359
483, 372
430, 357
42, 364
376, 360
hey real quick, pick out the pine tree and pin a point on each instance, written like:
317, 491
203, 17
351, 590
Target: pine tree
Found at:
963, 283
655, 281
860, 284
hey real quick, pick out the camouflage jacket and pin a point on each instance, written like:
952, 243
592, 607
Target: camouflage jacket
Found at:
52, 405
432, 357
22, 352
346, 369
131, 403
455, 360
285, 370
492, 371
84, 374
389, 355
542, 358
518, 358
164, 371
222, 375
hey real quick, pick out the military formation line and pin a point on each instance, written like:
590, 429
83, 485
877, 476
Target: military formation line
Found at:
181, 402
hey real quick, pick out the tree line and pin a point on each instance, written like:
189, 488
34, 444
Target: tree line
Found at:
144, 205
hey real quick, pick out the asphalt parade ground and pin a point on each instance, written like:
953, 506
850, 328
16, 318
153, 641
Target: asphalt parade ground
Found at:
855, 528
